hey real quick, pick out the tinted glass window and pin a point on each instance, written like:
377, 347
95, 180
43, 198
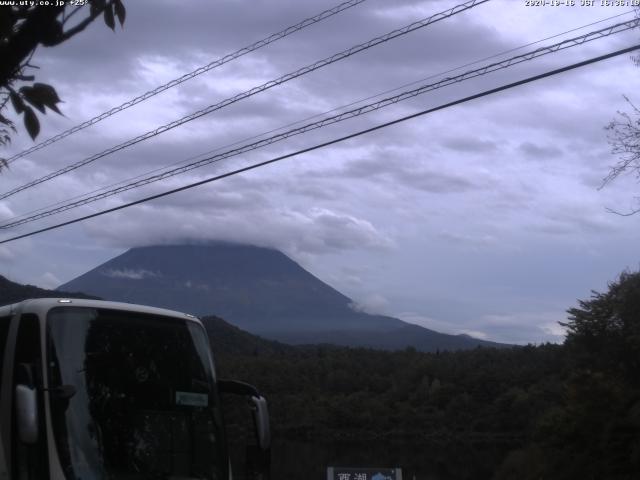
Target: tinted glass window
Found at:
135, 396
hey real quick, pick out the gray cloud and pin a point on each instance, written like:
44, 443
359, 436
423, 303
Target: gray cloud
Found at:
412, 172
516, 328
470, 145
521, 327
541, 153
316, 230
373, 303
436, 182
476, 241
196, 286
574, 219
139, 274
447, 201
49, 280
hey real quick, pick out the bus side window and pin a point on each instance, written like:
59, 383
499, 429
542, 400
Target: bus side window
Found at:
28, 342
29, 460
4, 332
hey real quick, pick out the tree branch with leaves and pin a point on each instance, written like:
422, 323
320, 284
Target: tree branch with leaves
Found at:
624, 138
23, 28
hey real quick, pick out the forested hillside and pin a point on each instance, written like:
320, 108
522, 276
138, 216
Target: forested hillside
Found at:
357, 393
12, 292
567, 411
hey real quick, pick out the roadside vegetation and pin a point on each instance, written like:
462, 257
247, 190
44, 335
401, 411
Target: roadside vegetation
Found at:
554, 411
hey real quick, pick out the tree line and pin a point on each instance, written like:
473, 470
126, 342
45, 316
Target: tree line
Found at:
559, 411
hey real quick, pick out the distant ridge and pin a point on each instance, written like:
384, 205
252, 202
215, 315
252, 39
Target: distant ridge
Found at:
12, 292
227, 339
260, 290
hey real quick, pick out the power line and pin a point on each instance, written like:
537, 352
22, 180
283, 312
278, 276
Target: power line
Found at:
334, 141
216, 63
317, 115
385, 102
255, 90
475, 62
337, 118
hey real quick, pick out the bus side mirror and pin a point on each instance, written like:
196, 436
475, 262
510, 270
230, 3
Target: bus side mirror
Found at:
258, 456
258, 405
27, 414
261, 421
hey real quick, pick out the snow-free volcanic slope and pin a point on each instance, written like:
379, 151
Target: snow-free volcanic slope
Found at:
258, 289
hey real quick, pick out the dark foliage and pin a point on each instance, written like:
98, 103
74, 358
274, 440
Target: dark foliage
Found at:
23, 28
593, 432
604, 332
343, 393
558, 411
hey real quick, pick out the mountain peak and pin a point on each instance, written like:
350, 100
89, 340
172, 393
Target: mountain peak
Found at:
259, 289
249, 285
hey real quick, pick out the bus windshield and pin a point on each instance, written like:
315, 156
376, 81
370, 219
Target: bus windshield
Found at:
132, 396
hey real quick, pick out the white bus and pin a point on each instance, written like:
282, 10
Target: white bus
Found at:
102, 390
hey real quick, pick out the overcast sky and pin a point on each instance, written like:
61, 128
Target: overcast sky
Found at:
484, 218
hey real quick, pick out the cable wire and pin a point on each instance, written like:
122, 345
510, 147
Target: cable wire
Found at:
317, 115
332, 142
255, 90
569, 43
216, 63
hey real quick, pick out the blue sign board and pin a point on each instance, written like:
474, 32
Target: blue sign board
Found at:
352, 473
